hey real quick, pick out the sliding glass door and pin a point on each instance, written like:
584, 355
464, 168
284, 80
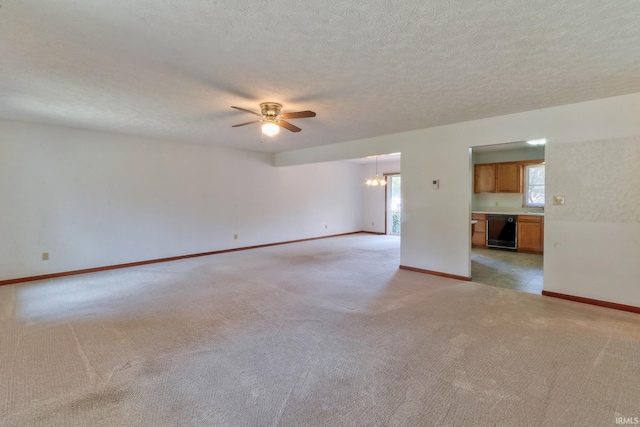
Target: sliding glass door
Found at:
394, 204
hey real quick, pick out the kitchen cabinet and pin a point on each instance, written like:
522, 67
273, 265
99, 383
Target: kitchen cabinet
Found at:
508, 178
484, 178
497, 178
479, 237
530, 234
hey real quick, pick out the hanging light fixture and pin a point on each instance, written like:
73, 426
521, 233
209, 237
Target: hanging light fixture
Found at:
376, 181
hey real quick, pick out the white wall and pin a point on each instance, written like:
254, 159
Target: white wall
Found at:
93, 199
509, 155
594, 239
373, 205
435, 222
435, 229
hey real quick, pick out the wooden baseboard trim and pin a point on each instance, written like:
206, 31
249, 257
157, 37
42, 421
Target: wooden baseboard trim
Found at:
597, 302
373, 232
154, 261
436, 273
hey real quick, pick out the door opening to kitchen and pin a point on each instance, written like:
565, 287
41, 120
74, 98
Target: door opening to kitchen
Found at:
394, 204
507, 215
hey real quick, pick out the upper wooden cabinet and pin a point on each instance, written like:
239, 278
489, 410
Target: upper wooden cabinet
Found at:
508, 178
484, 178
499, 177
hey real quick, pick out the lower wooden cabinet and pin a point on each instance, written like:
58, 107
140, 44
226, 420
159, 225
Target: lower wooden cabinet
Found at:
530, 234
479, 237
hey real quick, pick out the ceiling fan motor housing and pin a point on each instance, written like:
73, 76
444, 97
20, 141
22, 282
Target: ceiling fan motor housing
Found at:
271, 115
270, 109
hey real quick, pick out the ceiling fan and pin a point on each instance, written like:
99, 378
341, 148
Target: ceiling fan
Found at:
272, 119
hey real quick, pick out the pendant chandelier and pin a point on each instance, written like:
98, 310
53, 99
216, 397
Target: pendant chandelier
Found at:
376, 181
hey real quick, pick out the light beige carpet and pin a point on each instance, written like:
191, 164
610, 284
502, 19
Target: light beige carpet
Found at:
320, 333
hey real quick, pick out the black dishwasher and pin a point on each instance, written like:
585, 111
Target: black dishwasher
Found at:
502, 231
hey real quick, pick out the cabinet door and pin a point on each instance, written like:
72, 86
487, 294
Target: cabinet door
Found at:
479, 237
484, 178
530, 234
508, 178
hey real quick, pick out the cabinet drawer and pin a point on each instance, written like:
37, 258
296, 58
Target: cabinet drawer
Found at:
481, 226
530, 218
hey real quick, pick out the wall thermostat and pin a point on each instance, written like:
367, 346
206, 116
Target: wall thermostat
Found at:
436, 183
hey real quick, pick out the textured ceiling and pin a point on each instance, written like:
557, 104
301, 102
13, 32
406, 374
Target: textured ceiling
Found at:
172, 69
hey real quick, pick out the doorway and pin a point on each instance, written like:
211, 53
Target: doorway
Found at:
508, 184
394, 204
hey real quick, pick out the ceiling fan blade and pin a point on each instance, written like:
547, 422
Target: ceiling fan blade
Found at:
298, 115
288, 126
247, 111
247, 123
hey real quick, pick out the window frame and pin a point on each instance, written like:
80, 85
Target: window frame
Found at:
527, 186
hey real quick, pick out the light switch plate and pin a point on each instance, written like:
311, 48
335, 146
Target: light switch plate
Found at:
436, 183
558, 200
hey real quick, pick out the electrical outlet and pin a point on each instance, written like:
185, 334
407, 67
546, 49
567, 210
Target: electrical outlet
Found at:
235, 237
558, 200
45, 256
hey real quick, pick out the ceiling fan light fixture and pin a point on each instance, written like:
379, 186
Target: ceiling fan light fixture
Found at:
270, 129
272, 120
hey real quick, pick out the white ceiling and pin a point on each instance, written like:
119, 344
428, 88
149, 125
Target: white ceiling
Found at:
172, 69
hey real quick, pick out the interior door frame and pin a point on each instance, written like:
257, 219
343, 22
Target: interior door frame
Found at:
471, 193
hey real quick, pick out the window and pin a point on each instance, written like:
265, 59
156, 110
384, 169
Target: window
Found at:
534, 186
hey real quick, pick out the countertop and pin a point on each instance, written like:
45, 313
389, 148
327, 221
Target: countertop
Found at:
509, 213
